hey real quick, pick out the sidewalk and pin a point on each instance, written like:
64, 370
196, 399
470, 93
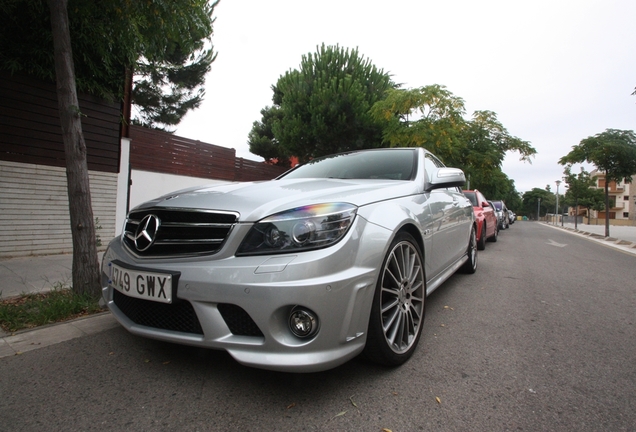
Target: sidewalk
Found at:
36, 274
621, 237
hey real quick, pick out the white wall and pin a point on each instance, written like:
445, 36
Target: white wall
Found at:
149, 185
34, 212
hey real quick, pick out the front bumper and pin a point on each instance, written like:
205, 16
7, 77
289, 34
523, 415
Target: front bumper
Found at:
336, 283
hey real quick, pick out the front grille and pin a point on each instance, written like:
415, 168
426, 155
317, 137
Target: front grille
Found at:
178, 232
238, 321
178, 316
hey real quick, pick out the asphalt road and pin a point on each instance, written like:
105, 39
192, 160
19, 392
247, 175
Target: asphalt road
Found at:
541, 338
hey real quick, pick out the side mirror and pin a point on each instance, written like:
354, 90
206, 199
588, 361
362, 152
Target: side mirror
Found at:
485, 204
446, 177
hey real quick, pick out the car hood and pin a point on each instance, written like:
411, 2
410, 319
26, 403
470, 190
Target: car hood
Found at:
256, 200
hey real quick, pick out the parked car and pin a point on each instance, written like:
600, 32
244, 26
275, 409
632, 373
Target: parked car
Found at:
485, 216
511, 217
502, 214
302, 273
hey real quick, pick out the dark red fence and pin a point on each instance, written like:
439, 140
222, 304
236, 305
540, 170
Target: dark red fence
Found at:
31, 131
163, 152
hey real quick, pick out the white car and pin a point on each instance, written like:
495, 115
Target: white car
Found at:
302, 273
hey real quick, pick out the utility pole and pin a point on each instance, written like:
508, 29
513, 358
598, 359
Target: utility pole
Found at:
556, 209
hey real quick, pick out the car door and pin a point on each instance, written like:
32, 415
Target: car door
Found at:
444, 223
459, 216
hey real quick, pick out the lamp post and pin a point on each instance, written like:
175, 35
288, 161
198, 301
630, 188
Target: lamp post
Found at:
539, 209
556, 210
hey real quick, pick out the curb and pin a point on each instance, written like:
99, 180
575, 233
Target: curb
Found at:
624, 245
31, 339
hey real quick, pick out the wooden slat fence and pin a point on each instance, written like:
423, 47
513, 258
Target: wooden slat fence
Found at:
162, 152
31, 131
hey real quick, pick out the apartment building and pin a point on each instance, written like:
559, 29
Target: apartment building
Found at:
622, 197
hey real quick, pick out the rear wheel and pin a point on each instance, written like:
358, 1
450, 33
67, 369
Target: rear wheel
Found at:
470, 266
397, 314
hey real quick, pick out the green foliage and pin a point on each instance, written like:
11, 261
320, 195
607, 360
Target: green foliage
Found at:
612, 151
582, 191
323, 107
262, 141
98, 227
541, 198
31, 310
430, 117
177, 54
433, 118
338, 101
165, 42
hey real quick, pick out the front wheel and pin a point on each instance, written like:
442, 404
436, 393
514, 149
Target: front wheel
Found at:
481, 244
470, 266
397, 314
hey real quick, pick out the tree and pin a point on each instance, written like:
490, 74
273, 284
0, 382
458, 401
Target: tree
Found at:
323, 106
432, 117
429, 117
582, 192
95, 44
262, 141
85, 271
163, 46
540, 200
177, 55
613, 152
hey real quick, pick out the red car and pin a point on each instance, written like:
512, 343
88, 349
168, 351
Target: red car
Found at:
485, 217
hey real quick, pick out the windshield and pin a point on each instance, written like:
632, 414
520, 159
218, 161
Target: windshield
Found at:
394, 164
472, 196
497, 205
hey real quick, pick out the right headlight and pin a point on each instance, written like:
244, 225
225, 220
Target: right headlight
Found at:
300, 229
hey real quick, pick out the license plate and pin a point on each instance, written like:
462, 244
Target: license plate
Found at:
145, 285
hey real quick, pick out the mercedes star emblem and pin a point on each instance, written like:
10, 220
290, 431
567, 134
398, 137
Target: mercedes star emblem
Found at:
146, 232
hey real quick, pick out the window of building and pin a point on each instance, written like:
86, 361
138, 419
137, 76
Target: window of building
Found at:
626, 215
625, 197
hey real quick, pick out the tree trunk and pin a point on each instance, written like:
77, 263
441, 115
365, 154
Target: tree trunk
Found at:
85, 262
576, 214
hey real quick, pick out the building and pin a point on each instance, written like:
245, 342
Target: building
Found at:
622, 198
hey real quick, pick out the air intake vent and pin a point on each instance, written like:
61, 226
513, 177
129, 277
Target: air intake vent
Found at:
178, 316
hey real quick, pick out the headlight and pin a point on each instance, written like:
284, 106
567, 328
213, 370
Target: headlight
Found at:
304, 228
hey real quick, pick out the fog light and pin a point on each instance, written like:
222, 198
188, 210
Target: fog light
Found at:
303, 322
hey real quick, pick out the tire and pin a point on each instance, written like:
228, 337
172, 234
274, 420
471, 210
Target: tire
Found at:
481, 244
397, 313
493, 239
470, 266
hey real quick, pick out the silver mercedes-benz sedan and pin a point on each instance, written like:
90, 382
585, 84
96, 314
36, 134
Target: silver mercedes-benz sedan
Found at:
332, 259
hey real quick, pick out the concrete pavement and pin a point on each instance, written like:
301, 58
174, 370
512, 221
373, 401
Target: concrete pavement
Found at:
42, 273
27, 275
621, 237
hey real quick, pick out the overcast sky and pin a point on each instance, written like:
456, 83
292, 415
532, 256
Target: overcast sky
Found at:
554, 71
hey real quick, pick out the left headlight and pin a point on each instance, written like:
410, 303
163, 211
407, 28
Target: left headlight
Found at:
303, 228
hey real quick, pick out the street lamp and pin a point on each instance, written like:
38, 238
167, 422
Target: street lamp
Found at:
539, 209
556, 210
